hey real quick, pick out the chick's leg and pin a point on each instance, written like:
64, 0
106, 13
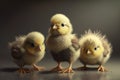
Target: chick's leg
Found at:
37, 68
82, 68
68, 70
101, 68
22, 70
57, 68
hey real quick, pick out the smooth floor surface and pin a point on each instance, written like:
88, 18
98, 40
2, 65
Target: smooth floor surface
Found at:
8, 71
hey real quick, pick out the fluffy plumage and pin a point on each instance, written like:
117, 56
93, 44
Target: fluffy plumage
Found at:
62, 44
28, 50
95, 49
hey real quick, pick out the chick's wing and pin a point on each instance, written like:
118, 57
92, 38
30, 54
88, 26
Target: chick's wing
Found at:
16, 52
75, 43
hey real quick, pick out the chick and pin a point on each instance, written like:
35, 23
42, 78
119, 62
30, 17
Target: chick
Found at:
62, 44
95, 49
28, 50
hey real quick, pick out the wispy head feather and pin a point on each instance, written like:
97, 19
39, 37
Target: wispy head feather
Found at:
95, 36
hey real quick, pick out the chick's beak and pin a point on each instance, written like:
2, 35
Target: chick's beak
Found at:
89, 52
38, 48
54, 27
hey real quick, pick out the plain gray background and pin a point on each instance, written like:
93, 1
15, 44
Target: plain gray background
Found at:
19, 17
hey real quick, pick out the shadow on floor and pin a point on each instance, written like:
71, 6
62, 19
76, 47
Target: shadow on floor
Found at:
87, 69
8, 69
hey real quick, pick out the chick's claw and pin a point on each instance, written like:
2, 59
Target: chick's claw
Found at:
38, 68
22, 71
67, 70
58, 68
102, 69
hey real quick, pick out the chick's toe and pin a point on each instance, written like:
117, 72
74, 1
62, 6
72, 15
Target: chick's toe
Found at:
23, 71
102, 69
38, 68
57, 68
67, 70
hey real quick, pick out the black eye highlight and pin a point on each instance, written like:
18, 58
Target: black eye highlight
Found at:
62, 25
32, 45
95, 48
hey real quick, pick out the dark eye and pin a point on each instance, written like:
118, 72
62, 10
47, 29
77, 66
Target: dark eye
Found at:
62, 25
32, 45
95, 48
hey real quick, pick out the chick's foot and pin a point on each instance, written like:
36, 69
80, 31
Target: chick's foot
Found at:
102, 69
38, 68
22, 71
67, 70
57, 69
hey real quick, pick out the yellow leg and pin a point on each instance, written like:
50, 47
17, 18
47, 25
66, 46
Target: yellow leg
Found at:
57, 68
101, 68
37, 68
68, 70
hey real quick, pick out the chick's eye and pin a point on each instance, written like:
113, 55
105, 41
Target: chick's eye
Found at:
32, 45
62, 25
95, 48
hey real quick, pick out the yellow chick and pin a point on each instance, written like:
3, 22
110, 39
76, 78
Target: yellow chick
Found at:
62, 44
28, 50
95, 49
